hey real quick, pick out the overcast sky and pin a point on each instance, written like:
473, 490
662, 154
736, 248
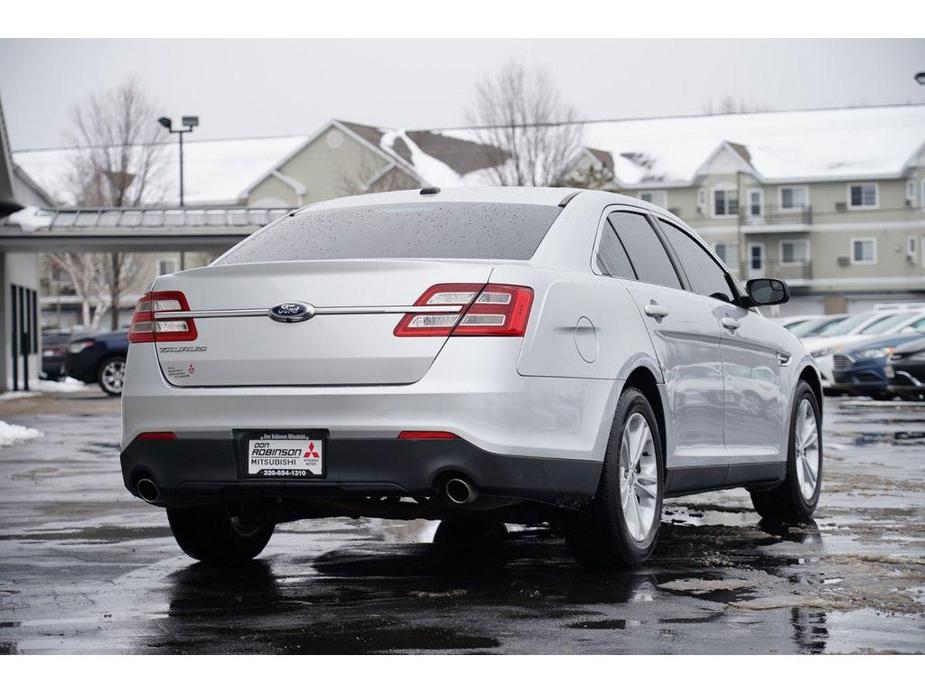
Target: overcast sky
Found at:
244, 88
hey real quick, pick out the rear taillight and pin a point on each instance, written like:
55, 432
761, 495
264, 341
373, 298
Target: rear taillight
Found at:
482, 310
152, 321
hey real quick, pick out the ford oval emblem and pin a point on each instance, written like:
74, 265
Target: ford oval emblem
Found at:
292, 312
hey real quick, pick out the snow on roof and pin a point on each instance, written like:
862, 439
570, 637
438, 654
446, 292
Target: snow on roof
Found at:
785, 145
214, 171
848, 143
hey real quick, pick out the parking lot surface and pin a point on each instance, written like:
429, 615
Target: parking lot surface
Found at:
86, 568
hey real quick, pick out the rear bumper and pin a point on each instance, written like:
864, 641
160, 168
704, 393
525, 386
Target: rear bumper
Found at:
190, 469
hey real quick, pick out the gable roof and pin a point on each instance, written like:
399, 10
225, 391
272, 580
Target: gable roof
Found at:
823, 144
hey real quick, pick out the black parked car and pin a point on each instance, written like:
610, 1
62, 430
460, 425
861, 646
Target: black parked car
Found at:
906, 371
99, 359
54, 347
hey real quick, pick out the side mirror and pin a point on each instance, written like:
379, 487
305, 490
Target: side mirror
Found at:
767, 291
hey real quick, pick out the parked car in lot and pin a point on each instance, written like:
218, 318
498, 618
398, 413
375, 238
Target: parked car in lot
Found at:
906, 370
861, 368
472, 356
854, 330
814, 326
99, 359
54, 349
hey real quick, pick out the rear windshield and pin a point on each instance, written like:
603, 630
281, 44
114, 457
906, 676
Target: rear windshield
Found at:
843, 327
448, 230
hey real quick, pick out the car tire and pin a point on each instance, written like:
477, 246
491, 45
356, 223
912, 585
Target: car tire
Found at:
620, 526
111, 375
212, 535
792, 501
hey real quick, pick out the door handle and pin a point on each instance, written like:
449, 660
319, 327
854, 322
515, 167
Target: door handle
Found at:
656, 311
783, 358
730, 323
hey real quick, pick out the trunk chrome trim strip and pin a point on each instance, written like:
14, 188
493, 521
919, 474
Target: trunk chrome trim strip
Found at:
319, 311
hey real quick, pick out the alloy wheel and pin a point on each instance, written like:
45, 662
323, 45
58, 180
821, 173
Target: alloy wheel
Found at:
638, 477
806, 445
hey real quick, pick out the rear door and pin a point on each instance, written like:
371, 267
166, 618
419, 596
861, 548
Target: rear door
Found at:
686, 337
753, 402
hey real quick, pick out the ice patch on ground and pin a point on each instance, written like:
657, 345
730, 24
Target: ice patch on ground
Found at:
11, 434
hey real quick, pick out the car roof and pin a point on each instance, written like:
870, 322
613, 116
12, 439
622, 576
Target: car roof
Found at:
524, 195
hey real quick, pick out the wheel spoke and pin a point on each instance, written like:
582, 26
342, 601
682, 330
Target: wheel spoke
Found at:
648, 486
810, 437
808, 471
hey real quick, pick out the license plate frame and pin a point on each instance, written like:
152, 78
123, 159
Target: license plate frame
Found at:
307, 462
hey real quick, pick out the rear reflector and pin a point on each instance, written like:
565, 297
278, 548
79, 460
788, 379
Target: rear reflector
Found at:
485, 310
146, 328
427, 435
156, 435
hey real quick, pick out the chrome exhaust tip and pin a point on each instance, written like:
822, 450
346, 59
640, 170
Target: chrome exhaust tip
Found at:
147, 490
460, 491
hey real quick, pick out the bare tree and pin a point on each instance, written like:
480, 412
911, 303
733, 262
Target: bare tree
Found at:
534, 136
117, 155
729, 104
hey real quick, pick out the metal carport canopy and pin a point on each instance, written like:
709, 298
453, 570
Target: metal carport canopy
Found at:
136, 229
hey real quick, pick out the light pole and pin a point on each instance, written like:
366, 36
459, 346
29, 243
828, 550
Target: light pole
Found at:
189, 122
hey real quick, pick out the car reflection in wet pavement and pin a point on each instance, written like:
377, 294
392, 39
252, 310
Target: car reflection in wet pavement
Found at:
85, 568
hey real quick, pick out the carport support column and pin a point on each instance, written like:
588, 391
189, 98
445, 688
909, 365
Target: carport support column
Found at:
6, 326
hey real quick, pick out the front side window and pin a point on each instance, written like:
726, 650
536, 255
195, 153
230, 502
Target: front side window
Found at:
656, 197
706, 277
645, 249
794, 197
794, 252
862, 195
611, 258
863, 251
725, 202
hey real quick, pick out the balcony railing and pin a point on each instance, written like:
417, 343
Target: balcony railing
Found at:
774, 215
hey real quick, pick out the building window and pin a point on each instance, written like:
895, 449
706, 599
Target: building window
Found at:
863, 251
166, 267
862, 195
911, 247
755, 202
910, 192
656, 197
701, 199
756, 258
728, 253
725, 202
794, 197
794, 252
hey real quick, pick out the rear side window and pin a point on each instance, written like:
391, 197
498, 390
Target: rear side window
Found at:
705, 275
645, 249
611, 258
448, 230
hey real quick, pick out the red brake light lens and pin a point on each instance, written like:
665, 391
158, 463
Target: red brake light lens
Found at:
425, 435
484, 310
150, 324
156, 436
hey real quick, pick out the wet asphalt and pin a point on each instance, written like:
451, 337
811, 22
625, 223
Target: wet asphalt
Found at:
86, 568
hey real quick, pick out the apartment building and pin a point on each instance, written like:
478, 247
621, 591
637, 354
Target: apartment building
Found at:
832, 200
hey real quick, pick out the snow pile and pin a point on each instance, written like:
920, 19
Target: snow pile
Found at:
68, 385
11, 434
29, 219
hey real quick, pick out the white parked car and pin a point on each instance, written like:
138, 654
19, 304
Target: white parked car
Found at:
472, 356
854, 330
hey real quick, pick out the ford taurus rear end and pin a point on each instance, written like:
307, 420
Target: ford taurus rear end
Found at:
355, 358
